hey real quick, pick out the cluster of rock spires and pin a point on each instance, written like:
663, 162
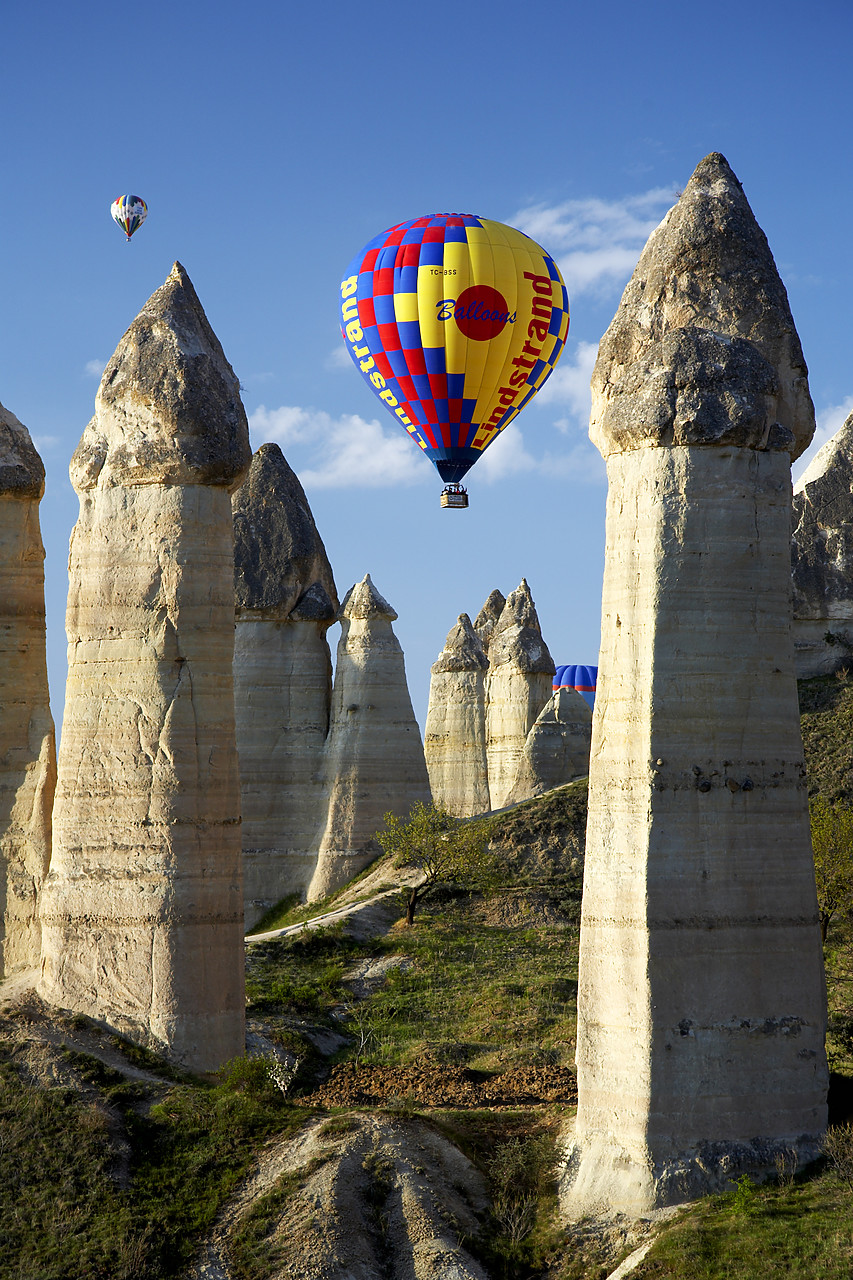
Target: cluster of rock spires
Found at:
701, 1003
496, 732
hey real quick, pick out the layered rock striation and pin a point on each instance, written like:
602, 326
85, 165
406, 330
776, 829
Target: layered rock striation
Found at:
286, 600
455, 734
556, 749
822, 559
27, 744
142, 911
374, 757
518, 685
701, 1008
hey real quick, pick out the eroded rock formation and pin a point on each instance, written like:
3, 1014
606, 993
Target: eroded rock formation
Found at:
142, 911
822, 558
455, 734
518, 686
701, 1005
487, 619
286, 601
557, 747
27, 746
374, 757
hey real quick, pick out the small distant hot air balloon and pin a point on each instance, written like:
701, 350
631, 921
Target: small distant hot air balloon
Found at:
129, 212
455, 322
583, 679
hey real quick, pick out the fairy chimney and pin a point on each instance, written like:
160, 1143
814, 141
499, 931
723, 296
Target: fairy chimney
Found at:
455, 735
142, 913
701, 1008
286, 601
27, 745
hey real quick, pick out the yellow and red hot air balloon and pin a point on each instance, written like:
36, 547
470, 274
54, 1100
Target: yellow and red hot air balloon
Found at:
129, 212
455, 322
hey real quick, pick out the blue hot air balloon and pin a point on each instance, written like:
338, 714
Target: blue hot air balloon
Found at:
583, 679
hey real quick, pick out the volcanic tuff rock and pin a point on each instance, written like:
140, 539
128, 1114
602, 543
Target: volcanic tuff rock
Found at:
487, 619
27, 746
701, 1008
455, 735
822, 558
374, 757
286, 601
142, 910
375, 1197
518, 686
557, 747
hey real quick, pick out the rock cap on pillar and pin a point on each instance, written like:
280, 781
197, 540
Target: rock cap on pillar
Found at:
21, 468
168, 410
517, 635
278, 551
463, 650
487, 619
703, 348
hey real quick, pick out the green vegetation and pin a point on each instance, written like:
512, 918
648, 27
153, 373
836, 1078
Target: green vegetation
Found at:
116, 1180
446, 851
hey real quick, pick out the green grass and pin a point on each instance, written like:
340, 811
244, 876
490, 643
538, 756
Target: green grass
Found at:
105, 1185
494, 995
804, 1232
826, 715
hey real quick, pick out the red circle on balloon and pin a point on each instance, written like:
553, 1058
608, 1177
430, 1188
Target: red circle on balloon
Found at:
481, 312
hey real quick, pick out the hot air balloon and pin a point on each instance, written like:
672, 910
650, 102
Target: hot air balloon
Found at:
583, 679
129, 212
455, 322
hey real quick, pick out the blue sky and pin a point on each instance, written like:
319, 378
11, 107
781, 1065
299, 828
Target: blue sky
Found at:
271, 141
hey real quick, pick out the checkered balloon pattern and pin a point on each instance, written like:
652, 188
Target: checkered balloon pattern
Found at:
455, 322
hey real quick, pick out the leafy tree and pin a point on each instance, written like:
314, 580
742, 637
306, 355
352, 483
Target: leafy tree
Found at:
445, 849
832, 842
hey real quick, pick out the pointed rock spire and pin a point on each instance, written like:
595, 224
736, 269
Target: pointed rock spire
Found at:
486, 619
27, 744
168, 410
703, 348
142, 913
822, 558
517, 688
286, 601
455, 735
278, 553
699, 919
374, 757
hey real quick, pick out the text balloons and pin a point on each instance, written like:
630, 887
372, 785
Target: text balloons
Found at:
455, 322
129, 212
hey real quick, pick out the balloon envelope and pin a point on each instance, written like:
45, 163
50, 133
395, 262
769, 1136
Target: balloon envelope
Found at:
583, 679
129, 212
454, 321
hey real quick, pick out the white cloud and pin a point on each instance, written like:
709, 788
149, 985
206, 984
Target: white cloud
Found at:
569, 385
596, 242
508, 457
829, 421
339, 453
338, 358
95, 368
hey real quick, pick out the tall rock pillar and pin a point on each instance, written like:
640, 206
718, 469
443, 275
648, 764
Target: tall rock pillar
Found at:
374, 759
286, 601
142, 913
455, 734
27, 746
701, 1006
518, 686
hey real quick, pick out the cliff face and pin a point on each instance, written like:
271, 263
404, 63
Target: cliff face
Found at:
142, 911
286, 600
700, 950
27, 745
374, 757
